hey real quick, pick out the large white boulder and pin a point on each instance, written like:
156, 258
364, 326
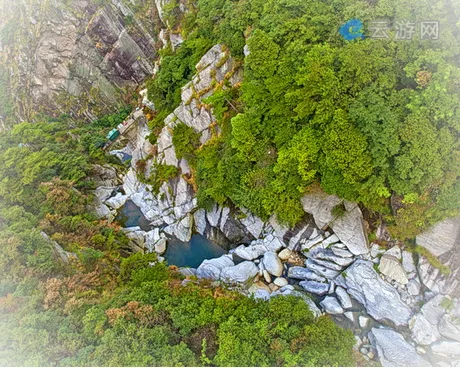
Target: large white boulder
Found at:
379, 298
241, 273
350, 229
273, 264
212, 268
394, 351
442, 237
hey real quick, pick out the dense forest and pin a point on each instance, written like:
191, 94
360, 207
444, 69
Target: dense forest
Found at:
371, 120
374, 121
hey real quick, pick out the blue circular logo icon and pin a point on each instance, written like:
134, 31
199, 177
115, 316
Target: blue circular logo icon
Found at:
352, 29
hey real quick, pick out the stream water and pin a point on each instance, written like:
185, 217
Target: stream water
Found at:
181, 254
192, 253
130, 215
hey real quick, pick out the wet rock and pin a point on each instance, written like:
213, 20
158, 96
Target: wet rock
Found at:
393, 350
314, 287
331, 305
380, 299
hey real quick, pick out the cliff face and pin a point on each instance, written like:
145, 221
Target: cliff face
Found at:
74, 57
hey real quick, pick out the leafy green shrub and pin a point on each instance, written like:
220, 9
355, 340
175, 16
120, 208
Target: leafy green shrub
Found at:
185, 141
160, 174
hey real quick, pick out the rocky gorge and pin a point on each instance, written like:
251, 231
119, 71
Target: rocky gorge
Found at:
402, 309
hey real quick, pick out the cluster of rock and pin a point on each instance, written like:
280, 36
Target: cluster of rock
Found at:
326, 259
86, 54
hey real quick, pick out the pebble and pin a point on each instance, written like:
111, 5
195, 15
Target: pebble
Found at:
267, 277
280, 281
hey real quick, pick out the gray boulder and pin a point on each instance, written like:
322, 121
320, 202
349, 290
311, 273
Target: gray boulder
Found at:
393, 350
331, 305
391, 267
273, 264
449, 326
199, 218
302, 273
321, 270
252, 223
381, 300
252, 251
442, 237
350, 230
423, 332
320, 205
272, 243
241, 273
328, 255
314, 287
116, 202
343, 297
433, 309
448, 349
212, 268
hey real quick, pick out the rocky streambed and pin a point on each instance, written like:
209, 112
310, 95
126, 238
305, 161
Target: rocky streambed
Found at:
403, 311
